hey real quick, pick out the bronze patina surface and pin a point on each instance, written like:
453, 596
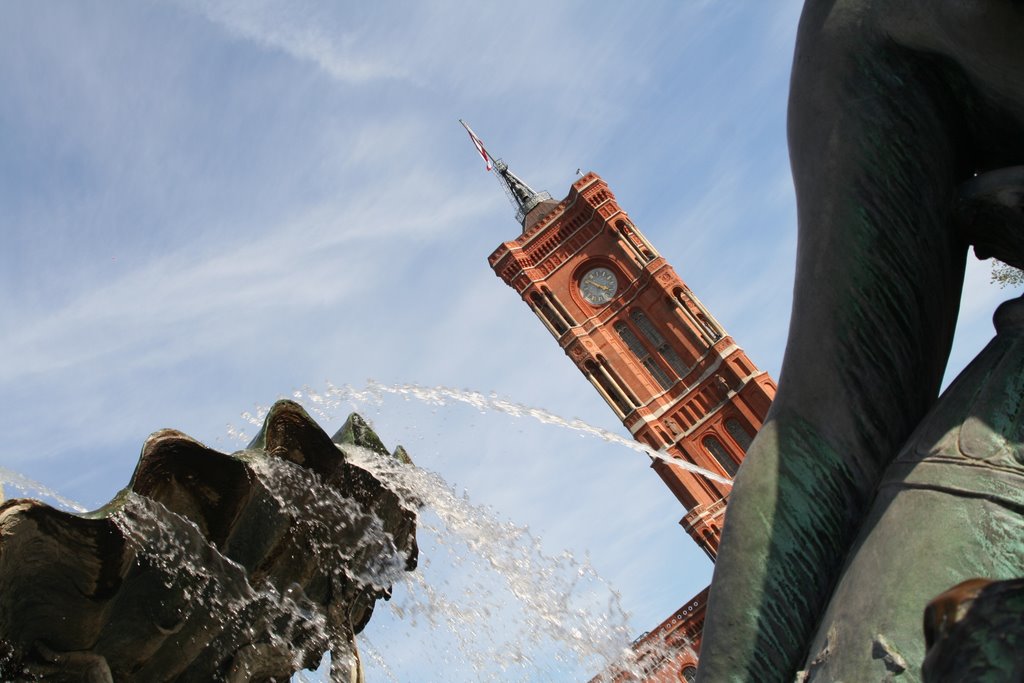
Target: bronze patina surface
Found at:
844, 520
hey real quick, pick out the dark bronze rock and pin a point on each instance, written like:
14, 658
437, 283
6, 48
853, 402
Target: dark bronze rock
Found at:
990, 214
975, 632
242, 567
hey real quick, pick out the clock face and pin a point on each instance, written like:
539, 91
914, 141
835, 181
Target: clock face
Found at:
598, 286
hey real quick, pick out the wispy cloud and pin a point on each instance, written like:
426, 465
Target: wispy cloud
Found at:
214, 295
309, 33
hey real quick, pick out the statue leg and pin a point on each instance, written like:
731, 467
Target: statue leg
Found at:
879, 272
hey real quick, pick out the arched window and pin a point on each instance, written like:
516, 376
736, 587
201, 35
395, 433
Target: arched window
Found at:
643, 355
696, 314
689, 674
712, 330
544, 309
738, 433
652, 334
717, 450
561, 309
634, 240
594, 371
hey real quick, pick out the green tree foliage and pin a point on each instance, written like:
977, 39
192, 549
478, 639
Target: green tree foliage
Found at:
1006, 275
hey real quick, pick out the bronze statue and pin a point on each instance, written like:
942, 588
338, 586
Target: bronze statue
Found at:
849, 512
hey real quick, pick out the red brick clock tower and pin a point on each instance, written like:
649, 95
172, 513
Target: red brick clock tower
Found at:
654, 353
642, 339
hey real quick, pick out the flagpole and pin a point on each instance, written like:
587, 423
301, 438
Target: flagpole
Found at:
479, 144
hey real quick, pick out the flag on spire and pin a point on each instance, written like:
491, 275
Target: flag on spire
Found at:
478, 144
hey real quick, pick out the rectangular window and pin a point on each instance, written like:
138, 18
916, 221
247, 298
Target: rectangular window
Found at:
667, 352
643, 355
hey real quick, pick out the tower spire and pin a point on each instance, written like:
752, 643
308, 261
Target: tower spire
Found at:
523, 197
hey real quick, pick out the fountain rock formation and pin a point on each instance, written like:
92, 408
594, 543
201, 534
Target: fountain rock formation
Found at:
241, 567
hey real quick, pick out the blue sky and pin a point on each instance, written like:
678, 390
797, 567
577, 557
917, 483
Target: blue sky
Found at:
208, 205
